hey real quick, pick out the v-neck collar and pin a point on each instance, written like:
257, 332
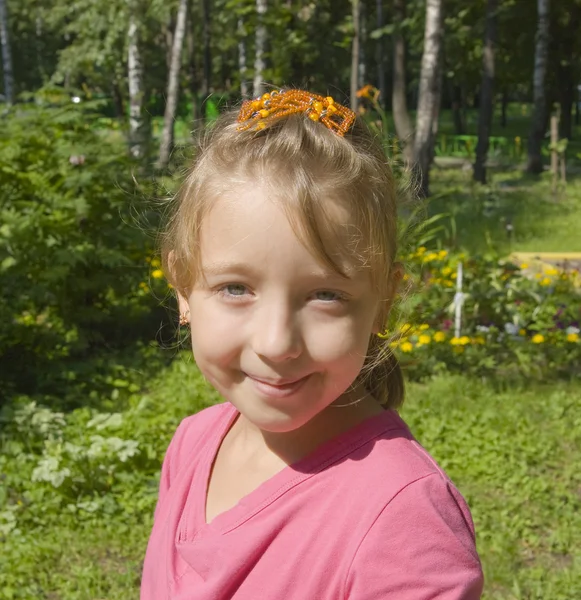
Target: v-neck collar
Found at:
193, 523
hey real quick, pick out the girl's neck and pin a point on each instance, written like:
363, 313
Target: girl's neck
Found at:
290, 447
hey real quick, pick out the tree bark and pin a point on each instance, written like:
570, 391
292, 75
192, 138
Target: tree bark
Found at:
486, 92
428, 94
380, 57
167, 136
260, 50
566, 99
6, 54
242, 68
355, 52
207, 69
504, 106
458, 109
137, 128
362, 68
537, 130
401, 117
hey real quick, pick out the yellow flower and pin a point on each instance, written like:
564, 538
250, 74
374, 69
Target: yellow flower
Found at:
424, 339
522, 332
446, 271
538, 338
572, 337
478, 340
524, 266
423, 327
430, 257
405, 276
439, 336
155, 263
421, 250
368, 91
545, 281
157, 274
460, 341
551, 271
442, 254
406, 347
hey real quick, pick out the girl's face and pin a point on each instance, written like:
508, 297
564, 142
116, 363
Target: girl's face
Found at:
278, 334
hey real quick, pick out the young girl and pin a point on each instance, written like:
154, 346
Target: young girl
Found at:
305, 484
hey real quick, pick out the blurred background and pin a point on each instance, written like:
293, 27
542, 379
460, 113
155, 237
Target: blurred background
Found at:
479, 101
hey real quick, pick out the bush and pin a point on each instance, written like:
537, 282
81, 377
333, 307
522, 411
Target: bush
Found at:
515, 323
71, 253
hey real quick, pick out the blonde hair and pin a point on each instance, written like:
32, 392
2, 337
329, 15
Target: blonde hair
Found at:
305, 165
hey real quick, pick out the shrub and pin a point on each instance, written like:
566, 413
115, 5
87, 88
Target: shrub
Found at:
71, 254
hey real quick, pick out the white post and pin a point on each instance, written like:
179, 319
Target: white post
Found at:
458, 301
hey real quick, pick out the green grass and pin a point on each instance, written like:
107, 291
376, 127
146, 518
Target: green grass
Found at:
479, 214
512, 453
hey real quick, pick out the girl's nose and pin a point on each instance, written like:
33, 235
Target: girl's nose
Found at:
276, 334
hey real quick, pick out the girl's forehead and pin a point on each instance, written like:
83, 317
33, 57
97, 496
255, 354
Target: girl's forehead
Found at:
252, 222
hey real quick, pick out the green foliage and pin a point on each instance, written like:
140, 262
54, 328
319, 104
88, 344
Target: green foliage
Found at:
64, 472
515, 324
79, 489
72, 253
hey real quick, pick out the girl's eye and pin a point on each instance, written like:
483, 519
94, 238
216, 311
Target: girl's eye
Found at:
329, 296
233, 290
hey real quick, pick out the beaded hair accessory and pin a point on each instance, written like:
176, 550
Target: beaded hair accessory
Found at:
272, 106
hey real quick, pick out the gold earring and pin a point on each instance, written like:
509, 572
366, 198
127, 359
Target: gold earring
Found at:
184, 319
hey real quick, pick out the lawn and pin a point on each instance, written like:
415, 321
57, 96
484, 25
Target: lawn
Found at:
512, 453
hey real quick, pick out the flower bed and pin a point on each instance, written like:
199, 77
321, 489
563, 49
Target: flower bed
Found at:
514, 323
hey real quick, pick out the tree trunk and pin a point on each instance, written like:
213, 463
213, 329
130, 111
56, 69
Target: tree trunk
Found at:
486, 93
207, 70
242, 69
137, 129
260, 50
428, 93
504, 106
537, 130
167, 135
6, 54
193, 74
458, 110
401, 117
380, 57
355, 52
566, 99
362, 68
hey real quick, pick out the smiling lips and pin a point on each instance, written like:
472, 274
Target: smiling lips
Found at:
278, 389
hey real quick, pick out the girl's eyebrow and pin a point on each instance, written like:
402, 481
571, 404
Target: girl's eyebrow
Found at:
220, 268
223, 267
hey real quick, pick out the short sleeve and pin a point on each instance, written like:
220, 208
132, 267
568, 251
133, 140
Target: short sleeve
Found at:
420, 547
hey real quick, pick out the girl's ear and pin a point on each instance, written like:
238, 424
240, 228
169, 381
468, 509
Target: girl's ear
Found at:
395, 277
183, 305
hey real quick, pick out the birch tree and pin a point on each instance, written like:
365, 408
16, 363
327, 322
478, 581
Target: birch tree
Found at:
6, 54
355, 53
260, 49
137, 128
486, 92
429, 93
167, 136
242, 68
537, 130
401, 117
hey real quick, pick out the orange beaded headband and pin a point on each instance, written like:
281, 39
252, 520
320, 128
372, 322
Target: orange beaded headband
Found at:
277, 104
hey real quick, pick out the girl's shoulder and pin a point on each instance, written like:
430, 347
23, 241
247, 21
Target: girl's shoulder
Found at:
195, 431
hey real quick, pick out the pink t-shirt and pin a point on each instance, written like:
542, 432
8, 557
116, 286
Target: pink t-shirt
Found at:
367, 516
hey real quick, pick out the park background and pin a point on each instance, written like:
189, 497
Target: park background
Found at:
479, 100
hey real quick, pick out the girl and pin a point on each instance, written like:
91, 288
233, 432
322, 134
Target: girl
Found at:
305, 484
